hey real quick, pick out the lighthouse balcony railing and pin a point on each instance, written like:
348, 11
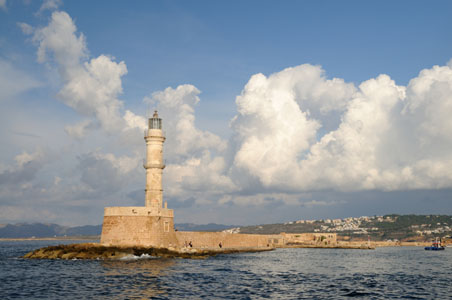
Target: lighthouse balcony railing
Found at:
147, 165
146, 133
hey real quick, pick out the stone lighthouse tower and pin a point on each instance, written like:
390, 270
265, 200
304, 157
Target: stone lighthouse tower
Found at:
154, 164
151, 225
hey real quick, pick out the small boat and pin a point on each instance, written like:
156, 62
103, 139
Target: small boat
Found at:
436, 245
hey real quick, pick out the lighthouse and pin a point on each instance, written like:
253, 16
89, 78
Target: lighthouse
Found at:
154, 163
151, 225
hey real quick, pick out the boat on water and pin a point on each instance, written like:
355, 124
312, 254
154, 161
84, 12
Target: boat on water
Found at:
436, 245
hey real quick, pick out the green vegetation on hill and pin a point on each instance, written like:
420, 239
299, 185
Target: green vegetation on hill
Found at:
388, 227
290, 227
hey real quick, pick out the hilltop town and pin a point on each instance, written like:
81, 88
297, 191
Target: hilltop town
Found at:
380, 228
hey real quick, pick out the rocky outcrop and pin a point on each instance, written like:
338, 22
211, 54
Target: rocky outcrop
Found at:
97, 251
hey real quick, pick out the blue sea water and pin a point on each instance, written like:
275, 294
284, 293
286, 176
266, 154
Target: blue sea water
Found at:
384, 273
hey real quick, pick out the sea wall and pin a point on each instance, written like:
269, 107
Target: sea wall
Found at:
310, 238
209, 240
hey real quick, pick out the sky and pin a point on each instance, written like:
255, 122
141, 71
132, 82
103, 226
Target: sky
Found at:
273, 111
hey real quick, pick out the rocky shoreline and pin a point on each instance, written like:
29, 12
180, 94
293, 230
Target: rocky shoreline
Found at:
97, 251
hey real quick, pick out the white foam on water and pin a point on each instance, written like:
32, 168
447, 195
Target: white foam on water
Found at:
135, 257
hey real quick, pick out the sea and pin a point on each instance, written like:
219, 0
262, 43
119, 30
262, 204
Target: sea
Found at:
295, 273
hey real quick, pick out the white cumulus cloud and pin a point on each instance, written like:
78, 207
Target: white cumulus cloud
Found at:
134, 121
91, 86
26, 28
388, 137
16, 179
177, 107
79, 130
49, 5
279, 117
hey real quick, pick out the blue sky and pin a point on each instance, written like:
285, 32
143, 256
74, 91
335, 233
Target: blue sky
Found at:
64, 158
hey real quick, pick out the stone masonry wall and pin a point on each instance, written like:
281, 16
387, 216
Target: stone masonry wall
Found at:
146, 231
310, 238
228, 240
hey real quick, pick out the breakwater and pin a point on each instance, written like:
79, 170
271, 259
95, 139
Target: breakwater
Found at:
97, 251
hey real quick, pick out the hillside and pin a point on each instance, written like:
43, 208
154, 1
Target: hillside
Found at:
388, 227
40, 230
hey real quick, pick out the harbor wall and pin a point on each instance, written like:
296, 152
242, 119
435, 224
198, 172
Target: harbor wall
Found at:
310, 238
208, 240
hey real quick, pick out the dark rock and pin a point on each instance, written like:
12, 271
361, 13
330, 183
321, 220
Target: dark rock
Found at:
97, 251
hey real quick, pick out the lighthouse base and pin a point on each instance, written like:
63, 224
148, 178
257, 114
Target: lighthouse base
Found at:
138, 226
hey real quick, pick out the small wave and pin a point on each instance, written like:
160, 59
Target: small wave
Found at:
356, 294
135, 257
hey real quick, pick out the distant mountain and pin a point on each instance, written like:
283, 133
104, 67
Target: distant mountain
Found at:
84, 230
41, 230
